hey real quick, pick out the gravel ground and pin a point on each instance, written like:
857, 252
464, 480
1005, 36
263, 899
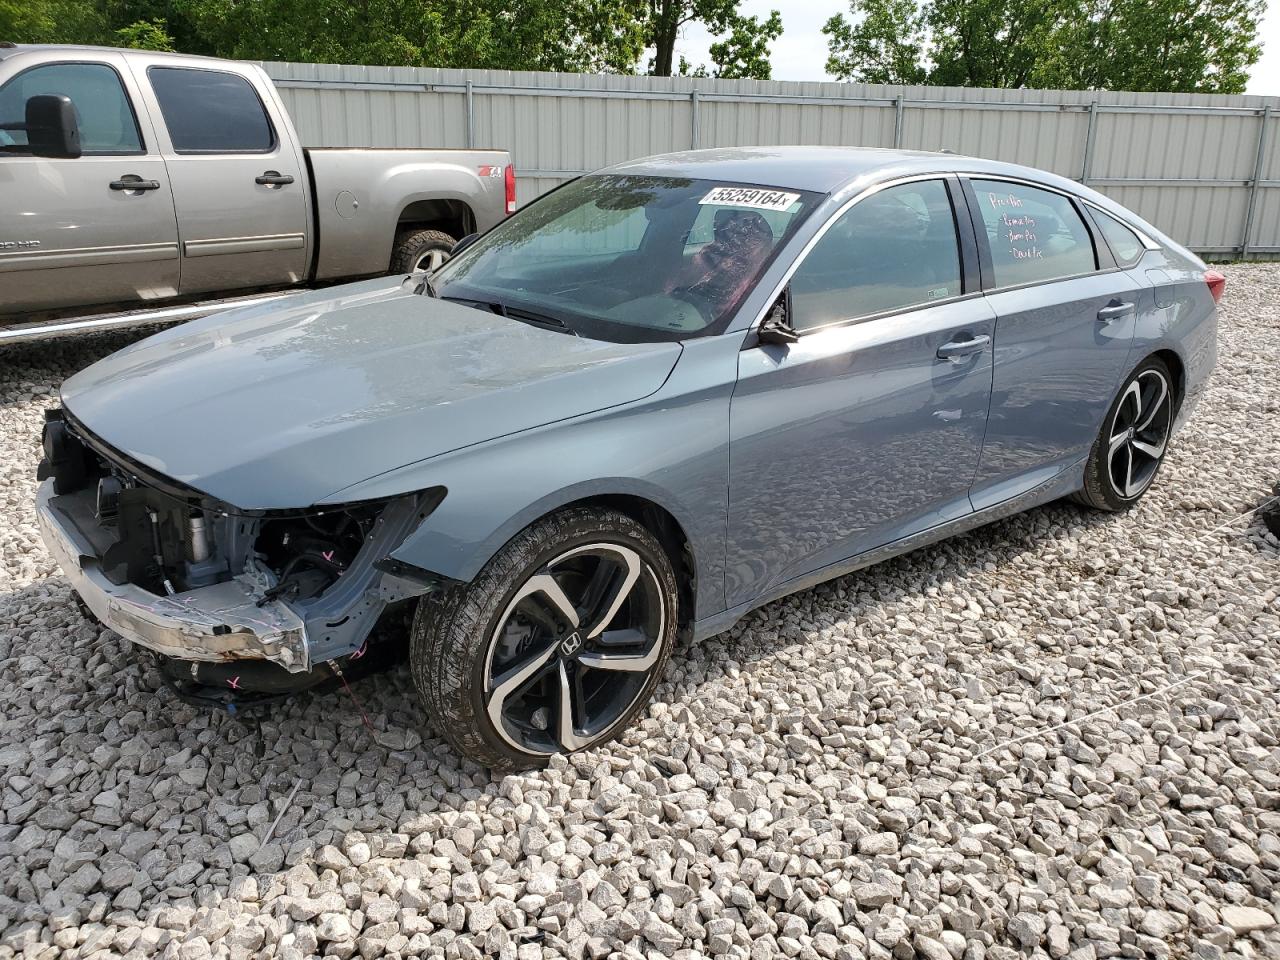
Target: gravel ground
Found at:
921, 759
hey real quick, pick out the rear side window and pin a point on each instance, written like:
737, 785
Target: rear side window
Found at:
1034, 235
1124, 243
208, 111
107, 123
893, 250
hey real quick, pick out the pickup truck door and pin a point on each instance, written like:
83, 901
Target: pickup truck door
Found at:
238, 180
96, 229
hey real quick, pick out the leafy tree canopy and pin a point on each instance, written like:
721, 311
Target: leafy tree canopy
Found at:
569, 35
1206, 46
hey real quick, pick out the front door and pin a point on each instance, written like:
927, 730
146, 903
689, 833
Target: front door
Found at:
238, 182
98, 229
1066, 318
869, 428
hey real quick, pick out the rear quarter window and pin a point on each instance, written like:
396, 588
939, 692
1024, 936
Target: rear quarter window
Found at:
1124, 243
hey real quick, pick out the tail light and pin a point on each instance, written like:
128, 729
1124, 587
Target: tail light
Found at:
1217, 284
511, 189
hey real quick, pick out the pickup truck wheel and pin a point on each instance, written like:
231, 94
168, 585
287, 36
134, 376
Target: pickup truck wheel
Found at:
421, 250
555, 646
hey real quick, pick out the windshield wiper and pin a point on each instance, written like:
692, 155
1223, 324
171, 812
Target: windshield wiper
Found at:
529, 316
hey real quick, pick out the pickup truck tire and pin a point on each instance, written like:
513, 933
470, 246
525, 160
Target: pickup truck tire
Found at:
420, 250
613, 574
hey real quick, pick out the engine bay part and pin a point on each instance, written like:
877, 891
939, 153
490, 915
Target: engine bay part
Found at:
196, 579
310, 552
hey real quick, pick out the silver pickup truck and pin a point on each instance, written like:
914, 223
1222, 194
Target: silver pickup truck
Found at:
131, 180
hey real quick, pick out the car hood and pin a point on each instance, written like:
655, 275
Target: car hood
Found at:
286, 405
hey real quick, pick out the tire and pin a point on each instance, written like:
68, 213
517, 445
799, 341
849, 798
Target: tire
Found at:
492, 658
413, 247
1271, 515
1133, 441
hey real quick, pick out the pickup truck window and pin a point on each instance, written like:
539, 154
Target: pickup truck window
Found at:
107, 122
210, 111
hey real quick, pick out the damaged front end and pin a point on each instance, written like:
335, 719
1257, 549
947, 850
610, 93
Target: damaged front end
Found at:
203, 582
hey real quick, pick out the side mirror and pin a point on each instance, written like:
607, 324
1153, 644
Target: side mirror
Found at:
462, 244
53, 128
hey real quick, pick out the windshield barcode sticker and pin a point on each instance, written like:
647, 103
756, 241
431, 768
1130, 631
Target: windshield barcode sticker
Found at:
755, 197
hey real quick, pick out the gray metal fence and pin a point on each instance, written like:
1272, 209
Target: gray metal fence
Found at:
1204, 168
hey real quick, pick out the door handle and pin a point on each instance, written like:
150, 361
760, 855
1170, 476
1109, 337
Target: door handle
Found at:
131, 181
273, 178
963, 348
1114, 311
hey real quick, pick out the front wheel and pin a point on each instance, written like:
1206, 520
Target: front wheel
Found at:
1135, 435
555, 646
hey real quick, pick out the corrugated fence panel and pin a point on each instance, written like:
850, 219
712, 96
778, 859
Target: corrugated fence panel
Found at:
1266, 219
1203, 218
1191, 164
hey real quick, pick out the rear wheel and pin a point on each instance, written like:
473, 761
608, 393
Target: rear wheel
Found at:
1135, 435
555, 646
420, 250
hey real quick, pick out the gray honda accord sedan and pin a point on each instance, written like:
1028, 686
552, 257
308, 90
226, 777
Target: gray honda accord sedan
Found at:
656, 398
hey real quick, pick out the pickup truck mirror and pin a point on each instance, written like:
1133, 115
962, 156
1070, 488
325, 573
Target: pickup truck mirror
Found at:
462, 244
53, 128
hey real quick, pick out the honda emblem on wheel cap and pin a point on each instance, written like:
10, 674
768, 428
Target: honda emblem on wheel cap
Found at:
571, 644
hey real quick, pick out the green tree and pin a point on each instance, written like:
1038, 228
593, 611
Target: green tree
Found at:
24, 20
146, 35
1168, 45
52, 21
572, 35
744, 53
882, 44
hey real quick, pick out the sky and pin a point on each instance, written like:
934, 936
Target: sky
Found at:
801, 52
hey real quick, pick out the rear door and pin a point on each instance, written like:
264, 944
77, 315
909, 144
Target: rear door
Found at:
100, 228
869, 427
1066, 315
238, 180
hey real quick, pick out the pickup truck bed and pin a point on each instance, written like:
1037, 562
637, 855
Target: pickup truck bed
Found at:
151, 180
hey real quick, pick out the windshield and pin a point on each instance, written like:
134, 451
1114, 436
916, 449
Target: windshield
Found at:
629, 258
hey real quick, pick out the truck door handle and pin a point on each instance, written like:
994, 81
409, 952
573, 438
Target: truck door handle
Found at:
962, 348
131, 181
1114, 311
273, 178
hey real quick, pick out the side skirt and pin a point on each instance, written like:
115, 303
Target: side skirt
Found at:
1061, 484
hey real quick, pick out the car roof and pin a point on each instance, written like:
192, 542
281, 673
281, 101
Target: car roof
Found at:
820, 169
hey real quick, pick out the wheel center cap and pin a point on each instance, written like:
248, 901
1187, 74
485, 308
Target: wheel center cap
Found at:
570, 645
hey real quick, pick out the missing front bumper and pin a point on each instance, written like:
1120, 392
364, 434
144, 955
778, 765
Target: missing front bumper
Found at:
214, 623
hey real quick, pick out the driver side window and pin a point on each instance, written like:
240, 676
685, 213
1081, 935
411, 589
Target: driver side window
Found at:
107, 123
894, 249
